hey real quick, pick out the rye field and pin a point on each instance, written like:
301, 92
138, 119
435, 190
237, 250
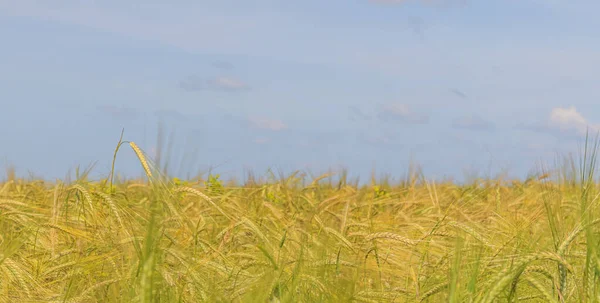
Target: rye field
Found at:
300, 239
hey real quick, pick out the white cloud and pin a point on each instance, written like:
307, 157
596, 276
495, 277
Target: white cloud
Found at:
387, 1
563, 121
196, 26
402, 113
228, 84
570, 120
129, 19
262, 140
443, 3
265, 123
220, 64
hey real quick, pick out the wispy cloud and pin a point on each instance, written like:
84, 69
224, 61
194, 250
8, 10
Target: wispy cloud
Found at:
564, 121
570, 120
473, 123
388, 1
401, 113
226, 84
444, 3
262, 140
459, 93
266, 123
356, 114
383, 140
222, 65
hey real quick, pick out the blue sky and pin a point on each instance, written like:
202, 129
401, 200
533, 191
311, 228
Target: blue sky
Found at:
455, 85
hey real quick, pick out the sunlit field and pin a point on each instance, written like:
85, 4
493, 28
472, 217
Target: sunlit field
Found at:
302, 239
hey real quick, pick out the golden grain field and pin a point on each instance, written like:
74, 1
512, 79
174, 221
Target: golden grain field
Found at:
296, 240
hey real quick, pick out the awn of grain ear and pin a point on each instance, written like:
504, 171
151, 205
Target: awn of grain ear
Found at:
543, 290
565, 244
541, 270
85, 194
112, 205
88, 290
470, 231
142, 158
340, 237
198, 193
391, 236
508, 275
434, 290
59, 267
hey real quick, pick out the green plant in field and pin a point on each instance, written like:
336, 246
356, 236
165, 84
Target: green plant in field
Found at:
379, 192
179, 182
214, 184
271, 197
